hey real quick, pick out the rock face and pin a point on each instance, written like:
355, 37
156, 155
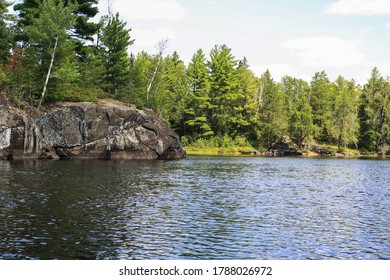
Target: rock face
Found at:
106, 130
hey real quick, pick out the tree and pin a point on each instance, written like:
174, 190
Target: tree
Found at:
374, 114
320, 101
115, 39
140, 67
172, 103
344, 124
273, 122
223, 88
81, 27
154, 86
299, 112
5, 34
245, 118
48, 39
198, 105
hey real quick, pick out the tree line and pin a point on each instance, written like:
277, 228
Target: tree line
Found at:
51, 51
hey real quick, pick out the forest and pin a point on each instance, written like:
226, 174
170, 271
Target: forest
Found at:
51, 50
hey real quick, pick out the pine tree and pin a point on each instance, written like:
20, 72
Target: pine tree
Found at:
299, 112
245, 118
139, 71
49, 45
197, 108
273, 122
344, 124
223, 88
82, 28
374, 114
176, 93
115, 40
5, 34
320, 101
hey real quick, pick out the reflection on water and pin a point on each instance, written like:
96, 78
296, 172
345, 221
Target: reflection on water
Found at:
199, 208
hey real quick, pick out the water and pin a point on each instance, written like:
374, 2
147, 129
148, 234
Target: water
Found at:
198, 208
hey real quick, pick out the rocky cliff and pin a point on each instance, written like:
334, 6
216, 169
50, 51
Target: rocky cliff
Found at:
103, 130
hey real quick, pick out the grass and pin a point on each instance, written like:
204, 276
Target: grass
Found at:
214, 151
239, 146
224, 145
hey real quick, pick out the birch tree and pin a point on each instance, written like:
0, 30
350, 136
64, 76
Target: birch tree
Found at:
49, 37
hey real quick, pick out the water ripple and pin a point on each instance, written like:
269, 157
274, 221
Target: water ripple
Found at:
200, 208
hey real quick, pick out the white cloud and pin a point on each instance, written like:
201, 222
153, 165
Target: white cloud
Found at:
326, 51
279, 70
149, 9
359, 7
147, 39
364, 31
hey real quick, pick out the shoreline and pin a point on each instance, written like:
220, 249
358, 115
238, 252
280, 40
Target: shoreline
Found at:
217, 152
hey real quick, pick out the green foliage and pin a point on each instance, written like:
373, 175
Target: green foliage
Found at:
245, 118
140, 67
272, 109
374, 114
214, 103
5, 32
344, 123
198, 105
299, 111
50, 47
115, 39
223, 88
82, 28
320, 101
172, 103
217, 145
90, 68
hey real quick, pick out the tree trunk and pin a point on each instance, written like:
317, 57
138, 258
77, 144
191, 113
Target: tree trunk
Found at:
152, 80
48, 72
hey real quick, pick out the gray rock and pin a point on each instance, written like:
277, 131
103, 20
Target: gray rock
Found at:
106, 130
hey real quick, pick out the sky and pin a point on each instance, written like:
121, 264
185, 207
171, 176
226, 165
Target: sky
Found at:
287, 37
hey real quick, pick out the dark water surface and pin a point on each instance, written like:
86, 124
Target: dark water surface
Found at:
198, 208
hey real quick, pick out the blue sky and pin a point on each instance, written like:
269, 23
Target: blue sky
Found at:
294, 37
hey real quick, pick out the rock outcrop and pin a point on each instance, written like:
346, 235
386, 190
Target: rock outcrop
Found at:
103, 130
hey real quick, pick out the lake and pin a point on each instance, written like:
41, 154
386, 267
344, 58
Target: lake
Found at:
198, 208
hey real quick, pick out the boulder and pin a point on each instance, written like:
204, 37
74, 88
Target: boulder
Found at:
85, 130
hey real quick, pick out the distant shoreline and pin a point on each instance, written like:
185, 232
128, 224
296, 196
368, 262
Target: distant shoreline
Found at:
218, 152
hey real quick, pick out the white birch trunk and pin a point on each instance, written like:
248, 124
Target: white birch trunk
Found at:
48, 72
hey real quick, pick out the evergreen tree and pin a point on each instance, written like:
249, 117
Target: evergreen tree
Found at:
86, 84
344, 124
320, 101
197, 108
273, 122
5, 34
299, 112
223, 88
374, 114
49, 48
140, 69
82, 28
115, 39
176, 93
245, 118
